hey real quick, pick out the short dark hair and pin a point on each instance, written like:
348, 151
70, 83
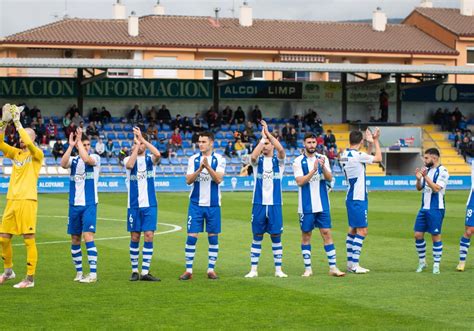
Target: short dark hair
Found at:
432, 151
84, 137
145, 136
208, 134
309, 135
355, 137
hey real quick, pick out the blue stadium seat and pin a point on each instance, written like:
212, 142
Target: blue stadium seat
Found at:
121, 136
7, 162
187, 144
219, 136
161, 135
116, 144
111, 135
107, 128
117, 127
168, 170
50, 161
189, 153
288, 170
113, 162
174, 161
184, 161
180, 171
188, 135
158, 170
229, 136
233, 127
126, 144
180, 152
130, 135
166, 127
105, 170
61, 135
216, 144
225, 127
165, 162
118, 170
451, 136
223, 143
235, 161
104, 161
47, 152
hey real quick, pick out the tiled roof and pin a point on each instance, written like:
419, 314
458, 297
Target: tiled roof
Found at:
202, 32
451, 19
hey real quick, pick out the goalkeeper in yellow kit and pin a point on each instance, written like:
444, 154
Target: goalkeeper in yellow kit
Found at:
19, 217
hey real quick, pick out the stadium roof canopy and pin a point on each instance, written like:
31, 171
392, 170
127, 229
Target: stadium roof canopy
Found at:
238, 66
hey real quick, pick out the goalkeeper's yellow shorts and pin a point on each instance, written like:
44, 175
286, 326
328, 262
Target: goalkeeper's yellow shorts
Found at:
19, 217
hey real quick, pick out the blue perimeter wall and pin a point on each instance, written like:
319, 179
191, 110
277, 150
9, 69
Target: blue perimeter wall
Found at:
175, 184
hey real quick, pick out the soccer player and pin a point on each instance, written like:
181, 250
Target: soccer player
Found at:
312, 171
142, 206
353, 163
432, 179
267, 199
465, 241
19, 216
83, 199
205, 173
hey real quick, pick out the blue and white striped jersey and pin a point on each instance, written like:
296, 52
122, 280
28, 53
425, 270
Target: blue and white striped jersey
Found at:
353, 163
470, 200
83, 181
313, 196
205, 192
140, 182
268, 172
430, 199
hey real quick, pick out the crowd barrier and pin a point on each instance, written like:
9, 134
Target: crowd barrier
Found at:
232, 183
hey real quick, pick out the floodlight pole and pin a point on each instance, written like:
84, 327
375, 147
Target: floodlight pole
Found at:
344, 96
215, 89
80, 90
398, 80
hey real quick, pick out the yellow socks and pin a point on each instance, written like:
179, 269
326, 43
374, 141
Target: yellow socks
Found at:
31, 256
7, 252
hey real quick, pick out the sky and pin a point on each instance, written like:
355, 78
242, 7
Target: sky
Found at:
20, 15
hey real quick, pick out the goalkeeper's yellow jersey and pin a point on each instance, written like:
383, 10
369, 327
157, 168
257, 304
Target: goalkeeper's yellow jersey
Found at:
26, 168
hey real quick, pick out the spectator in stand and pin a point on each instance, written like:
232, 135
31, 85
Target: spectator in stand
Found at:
239, 116
212, 118
240, 148
110, 149
383, 105
227, 115
462, 124
77, 119
171, 148
11, 134
100, 148
176, 139
438, 116
249, 132
197, 123
70, 129
332, 156
286, 130
457, 114
25, 119
40, 129
458, 138
66, 122
94, 116
318, 125
466, 148
177, 123
92, 132
164, 116
452, 124
152, 131
195, 139
187, 125
152, 115
329, 139
291, 139
296, 122
72, 109
446, 120
134, 115
309, 118
256, 115
35, 112
229, 150
105, 116
123, 154
320, 140
51, 130
58, 149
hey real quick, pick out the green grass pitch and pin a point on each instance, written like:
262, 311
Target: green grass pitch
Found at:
392, 296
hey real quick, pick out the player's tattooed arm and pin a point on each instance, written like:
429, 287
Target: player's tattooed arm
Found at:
274, 141
419, 178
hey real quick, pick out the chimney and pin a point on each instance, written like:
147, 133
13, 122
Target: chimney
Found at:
119, 10
133, 24
467, 7
245, 18
158, 9
379, 20
426, 4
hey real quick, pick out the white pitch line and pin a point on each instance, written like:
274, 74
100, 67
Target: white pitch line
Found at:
175, 228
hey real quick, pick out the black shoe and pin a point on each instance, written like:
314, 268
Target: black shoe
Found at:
134, 277
149, 278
